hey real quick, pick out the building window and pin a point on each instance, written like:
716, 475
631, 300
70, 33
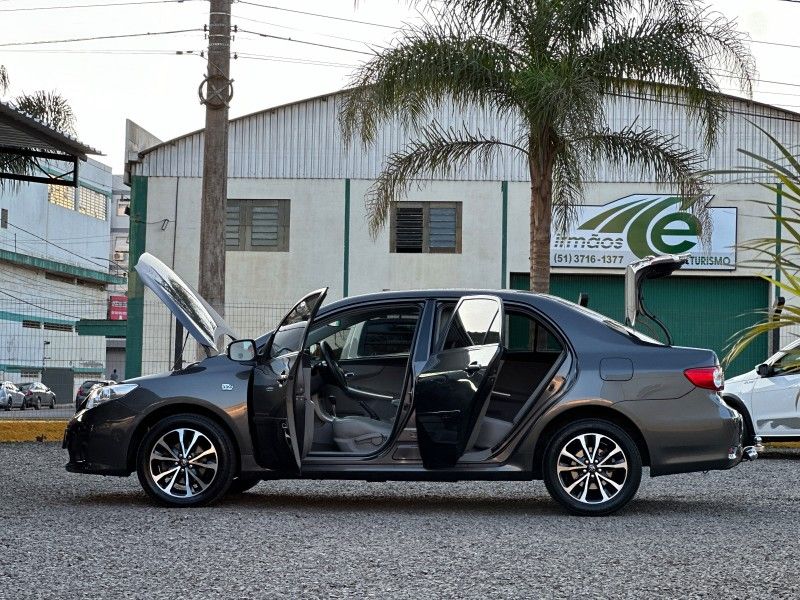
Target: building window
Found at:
4, 218
123, 206
426, 227
92, 203
57, 327
29, 324
257, 225
61, 195
29, 374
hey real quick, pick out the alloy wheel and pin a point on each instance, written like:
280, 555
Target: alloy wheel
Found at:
592, 468
183, 463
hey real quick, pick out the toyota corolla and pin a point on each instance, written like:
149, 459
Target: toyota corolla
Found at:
438, 385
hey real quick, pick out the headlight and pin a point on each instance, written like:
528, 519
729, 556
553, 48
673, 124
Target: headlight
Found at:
99, 395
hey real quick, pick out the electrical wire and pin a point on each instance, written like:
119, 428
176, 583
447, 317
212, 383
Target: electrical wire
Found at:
101, 37
39, 307
268, 23
312, 14
56, 245
285, 59
104, 5
288, 39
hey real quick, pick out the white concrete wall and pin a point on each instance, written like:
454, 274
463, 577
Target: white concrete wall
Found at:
76, 238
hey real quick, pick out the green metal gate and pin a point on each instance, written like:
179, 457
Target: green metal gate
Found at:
704, 312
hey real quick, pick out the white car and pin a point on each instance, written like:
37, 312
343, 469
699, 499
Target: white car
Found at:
769, 396
10, 396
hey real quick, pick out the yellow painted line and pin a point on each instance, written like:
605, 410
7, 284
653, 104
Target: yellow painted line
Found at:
18, 430
782, 445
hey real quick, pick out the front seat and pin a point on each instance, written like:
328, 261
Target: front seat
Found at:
359, 434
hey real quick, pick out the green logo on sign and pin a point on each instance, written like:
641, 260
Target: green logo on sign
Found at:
646, 233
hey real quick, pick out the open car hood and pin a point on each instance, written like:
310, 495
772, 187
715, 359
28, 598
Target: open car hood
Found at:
190, 309
652, 267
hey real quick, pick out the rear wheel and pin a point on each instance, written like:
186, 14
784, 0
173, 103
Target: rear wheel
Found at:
38, 405
186, 460
52, 403
592, 467
22, 404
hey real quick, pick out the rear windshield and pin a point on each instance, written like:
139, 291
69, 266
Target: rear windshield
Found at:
87, 384
615, 325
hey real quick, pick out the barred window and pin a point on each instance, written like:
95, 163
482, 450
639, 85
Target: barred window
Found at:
30, 324
29, 374
61, 195
426, 227
257, 225
57, 327
92, 203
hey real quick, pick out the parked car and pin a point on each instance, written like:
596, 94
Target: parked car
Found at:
440, 385
37, 395
769, 397
10, 396
86, 386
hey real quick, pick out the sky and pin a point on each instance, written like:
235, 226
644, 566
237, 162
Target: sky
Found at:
143, 79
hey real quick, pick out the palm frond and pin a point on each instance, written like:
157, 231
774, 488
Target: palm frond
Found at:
437, 151
4, 80
431, 65
568, 178
49, 108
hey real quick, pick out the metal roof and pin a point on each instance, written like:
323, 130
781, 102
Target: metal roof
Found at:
18, 130
302, 140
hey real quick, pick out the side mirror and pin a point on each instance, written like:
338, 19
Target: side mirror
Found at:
242, 350
763, 370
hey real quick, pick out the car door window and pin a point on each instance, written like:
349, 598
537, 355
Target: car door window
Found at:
788, 364
475, 324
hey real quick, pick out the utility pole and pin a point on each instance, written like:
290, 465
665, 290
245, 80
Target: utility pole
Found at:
215, 91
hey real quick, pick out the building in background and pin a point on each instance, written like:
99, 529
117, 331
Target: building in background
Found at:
118, 265
296, 222
54, 276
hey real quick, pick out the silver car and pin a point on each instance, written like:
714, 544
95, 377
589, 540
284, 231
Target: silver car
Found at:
10, 396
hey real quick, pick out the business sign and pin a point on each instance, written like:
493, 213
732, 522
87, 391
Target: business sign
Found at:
118, 308
623, 231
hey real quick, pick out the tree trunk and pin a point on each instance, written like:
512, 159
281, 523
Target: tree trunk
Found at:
541, 169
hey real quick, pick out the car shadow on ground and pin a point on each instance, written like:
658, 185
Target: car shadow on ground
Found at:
292, 502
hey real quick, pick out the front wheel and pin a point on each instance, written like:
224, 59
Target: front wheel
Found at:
592, 467
186, 460
38, 405
52, 403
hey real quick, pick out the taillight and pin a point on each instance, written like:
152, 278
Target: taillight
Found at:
709, 378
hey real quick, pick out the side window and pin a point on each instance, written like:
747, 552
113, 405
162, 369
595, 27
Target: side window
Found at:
367, 334
525, 334
475, 323
788, 364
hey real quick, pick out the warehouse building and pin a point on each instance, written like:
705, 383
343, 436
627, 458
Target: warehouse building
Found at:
296, 222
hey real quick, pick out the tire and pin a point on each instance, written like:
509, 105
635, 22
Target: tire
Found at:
241, 484
52, 403
604, 490
22, 405
38, 405
160, 469
8, 406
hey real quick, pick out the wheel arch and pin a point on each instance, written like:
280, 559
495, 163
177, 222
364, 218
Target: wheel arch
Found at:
176, 409
570, 415
738, 405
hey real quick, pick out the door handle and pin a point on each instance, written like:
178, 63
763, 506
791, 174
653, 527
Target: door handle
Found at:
349, 374
473, 367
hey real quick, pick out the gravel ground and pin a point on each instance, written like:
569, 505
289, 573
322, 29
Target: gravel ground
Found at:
718, 535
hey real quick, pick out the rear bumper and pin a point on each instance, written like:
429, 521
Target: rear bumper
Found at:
97, 440
697, 432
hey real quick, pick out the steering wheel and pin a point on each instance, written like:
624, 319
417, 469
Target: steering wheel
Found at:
333, 367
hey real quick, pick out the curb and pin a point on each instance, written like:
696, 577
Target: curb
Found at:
32, 431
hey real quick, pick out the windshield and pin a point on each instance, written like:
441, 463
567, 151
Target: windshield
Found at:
612, 324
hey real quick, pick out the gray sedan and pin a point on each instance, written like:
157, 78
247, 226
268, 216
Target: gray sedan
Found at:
436, 385
10, 396
36, 395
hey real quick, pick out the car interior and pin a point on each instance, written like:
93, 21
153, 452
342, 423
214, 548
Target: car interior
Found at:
530, 352
360, 362
358, 371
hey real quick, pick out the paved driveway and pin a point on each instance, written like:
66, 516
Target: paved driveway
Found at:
721, 535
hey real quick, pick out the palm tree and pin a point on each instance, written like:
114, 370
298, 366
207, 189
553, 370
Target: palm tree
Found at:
778, 256
48, 108
551, 65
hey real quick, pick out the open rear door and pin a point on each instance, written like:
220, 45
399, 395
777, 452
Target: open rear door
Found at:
636, 273
453, 389
279, 408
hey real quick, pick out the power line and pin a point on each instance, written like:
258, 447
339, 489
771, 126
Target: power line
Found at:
101, 37
56, 245
321, 16
39, 307
288, 39
285, 59
328, 35
105, 5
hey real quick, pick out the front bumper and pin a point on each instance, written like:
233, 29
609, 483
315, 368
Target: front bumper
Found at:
98, 439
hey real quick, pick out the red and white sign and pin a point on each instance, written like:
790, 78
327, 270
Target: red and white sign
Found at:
118, 308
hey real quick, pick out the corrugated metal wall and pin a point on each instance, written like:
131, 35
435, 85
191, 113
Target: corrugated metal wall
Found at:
303, 141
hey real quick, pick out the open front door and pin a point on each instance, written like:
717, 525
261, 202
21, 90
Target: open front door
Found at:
279, 410
453, 390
